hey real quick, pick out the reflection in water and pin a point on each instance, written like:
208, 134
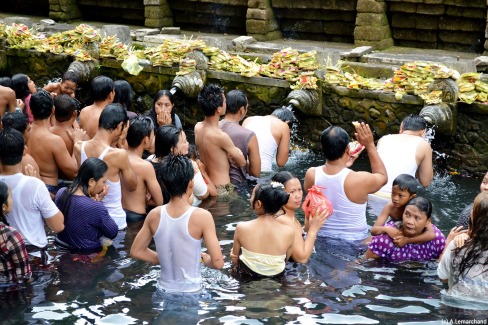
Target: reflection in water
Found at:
335, 287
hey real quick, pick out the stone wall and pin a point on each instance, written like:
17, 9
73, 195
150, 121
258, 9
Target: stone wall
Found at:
331, 21
120, 11
466, 151
218, 16
25, 7
439, 24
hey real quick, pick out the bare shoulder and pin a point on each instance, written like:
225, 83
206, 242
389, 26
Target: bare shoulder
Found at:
201, 214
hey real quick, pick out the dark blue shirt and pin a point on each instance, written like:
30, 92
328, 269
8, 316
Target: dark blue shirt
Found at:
85, 221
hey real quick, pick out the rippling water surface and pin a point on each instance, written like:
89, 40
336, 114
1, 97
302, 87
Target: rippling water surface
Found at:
335, 287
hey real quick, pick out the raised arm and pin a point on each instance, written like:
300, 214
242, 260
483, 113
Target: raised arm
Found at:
302, 249
371, 182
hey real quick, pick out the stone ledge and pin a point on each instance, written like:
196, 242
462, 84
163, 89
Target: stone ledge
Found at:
261, 81
383, 96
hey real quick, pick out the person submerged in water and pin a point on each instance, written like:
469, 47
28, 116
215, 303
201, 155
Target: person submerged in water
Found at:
263, 245
416, 217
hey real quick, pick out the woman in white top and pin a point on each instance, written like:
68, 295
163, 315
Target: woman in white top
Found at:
465, 268
172, 140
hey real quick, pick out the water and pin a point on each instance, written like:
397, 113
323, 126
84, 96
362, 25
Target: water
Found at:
335, 287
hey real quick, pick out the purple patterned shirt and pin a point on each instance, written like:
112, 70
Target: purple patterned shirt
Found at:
383, 246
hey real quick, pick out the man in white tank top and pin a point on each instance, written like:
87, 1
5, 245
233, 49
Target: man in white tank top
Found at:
405, 153
113, 124
346, 189
273, 134
178, 230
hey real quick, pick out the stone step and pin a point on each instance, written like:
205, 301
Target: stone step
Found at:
370, 70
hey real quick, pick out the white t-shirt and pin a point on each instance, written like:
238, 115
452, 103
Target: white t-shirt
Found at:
473, 286
31, 204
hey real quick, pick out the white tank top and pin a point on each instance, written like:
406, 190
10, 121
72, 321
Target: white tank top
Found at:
398, 159
267, 143
349, 219
113, 200
179, 253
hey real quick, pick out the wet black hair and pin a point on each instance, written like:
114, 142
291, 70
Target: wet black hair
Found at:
406, 182
70, 75
140, 127
192, 151
123, 93
101, 88
3, 200
423, 204
166, 138
64, 106
41, 105
157, 96
11, 147
285, 115
176, 172
91, 168
235, 100
334, 142
20, 84
15, 120
210, 98
283, 177
414, 123
6, 82
473, 251
272, 196
111, 117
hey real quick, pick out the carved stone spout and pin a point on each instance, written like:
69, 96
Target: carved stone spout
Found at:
190, 84
307, 101
85, 71
442, 116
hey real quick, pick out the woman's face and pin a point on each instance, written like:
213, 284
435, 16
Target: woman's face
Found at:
484, 183
414, 221
99, 186
163, 105
7, 207
182, 145
294, 188
31, 85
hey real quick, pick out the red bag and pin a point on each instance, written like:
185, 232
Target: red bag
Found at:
316, 199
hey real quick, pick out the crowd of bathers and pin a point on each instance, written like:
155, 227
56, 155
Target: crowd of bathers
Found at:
86, 172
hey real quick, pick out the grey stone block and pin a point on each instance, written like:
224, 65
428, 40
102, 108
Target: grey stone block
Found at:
360, 51
48, 22
138, 34
481, 61
121, 31
241, 42
171, 30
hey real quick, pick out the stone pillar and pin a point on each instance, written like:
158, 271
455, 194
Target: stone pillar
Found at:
64, 10
261, 22
372, 25
158, 14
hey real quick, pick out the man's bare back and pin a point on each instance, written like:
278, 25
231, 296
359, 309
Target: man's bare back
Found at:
89, 117
146, 184
50, 153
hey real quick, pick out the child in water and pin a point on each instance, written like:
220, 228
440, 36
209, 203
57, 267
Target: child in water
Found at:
404, 188
263, 245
